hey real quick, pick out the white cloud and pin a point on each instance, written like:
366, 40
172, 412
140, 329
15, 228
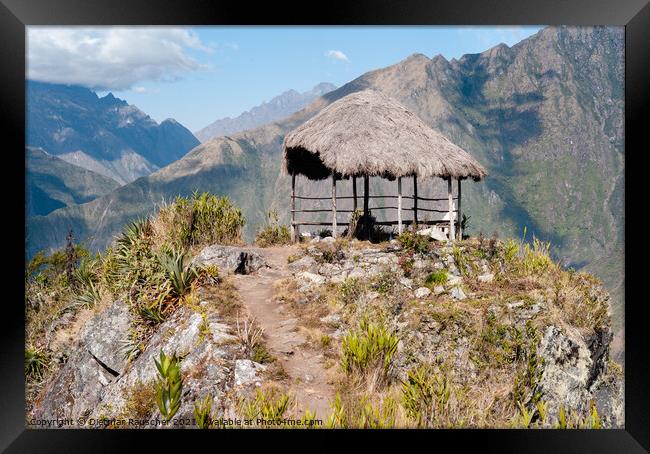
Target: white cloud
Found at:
139, 89
111, 58
336, 55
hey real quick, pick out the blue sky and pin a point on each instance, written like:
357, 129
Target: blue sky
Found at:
197, 75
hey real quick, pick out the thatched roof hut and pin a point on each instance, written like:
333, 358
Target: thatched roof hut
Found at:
368, 133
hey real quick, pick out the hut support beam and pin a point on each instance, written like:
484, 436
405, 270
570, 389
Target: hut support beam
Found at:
399, 205
354, 192
366, 215
460, 217
452, 228
293, 208
333, 205
415, 199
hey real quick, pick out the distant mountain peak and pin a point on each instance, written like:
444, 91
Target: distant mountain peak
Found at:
105, 135
277, 108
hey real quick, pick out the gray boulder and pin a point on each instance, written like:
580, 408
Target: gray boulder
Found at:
247, 372
103, 335
231, 259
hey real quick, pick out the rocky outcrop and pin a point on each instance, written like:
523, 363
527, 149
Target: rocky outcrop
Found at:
469, 318
98, 382
231, 259
575, 374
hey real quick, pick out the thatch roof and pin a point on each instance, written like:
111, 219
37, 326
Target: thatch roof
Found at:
367, 133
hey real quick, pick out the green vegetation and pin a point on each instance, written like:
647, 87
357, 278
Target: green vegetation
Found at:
179, 272
268, 404
367, 352
412, 242
426, 397
273, 234
36, 362
169, 385
203, 413
436, 278
198, 220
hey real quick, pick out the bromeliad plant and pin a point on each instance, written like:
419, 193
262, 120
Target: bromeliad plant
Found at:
169, 385
368, 352
180, 274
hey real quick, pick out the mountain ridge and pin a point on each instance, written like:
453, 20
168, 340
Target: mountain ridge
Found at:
283, 105
103, 134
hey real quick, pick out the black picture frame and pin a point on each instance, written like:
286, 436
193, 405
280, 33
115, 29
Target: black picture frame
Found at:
15, 15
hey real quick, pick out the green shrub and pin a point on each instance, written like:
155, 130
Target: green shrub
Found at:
36, 362
169, 385
273, 234
411, 241
436, 278
199, 220
261, 355
351, 290
368, 352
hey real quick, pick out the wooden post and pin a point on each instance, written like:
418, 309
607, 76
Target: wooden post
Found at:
415, 199
399, 205
366, 193
451, 211
354, 192
293, 207
460, 217
333, 205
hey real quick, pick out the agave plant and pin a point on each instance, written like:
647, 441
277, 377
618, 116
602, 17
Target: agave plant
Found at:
180, 274
169, 385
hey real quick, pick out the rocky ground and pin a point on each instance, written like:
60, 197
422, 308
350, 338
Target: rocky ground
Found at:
512, 334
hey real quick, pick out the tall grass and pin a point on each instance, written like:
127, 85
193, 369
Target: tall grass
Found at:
367, 353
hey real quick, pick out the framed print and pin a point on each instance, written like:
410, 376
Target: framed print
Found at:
392, 217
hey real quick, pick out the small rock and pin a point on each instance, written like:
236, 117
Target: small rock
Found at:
311, 277
372, 295
422, 292
246, 372
406, 282
458, 293
329, 239
454, 280
315, 240
489, 277
333, 320
515, 305
438, 289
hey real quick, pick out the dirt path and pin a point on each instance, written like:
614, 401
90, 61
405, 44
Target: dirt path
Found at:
304, 367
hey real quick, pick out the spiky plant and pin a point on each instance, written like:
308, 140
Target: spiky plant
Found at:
203, 412
36, 362
368, 352
249, 334
169, 385
180, 274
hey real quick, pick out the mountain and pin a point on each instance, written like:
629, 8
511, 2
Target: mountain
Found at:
277, 108
545, 117
53, 183
105, 135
